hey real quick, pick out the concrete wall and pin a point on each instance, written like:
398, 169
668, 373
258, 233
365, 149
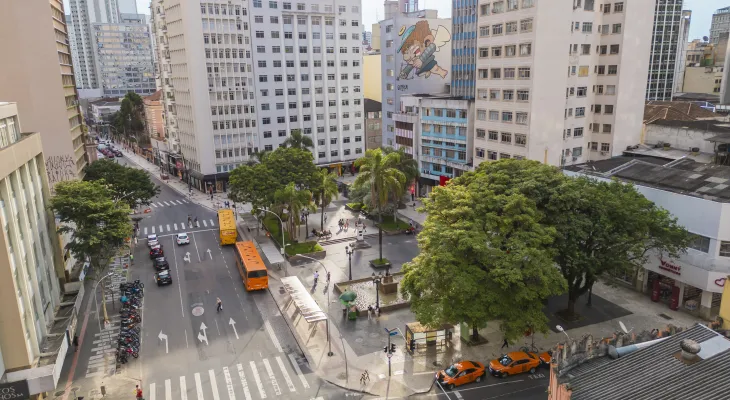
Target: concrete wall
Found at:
372, 79
701, 80
679, 137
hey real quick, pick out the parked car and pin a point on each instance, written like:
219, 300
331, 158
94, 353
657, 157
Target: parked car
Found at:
183, 238
160, 263
109, 155
156, 251
118, 153
163, 278
152, 240
460, 373
516, 362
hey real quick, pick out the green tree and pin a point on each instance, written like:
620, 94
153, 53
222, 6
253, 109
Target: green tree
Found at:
298, 140
485, 255
292, 165
130, 117
252, 184
289, 205
131, 185
385, 180
98, 225
325, 191
407, 165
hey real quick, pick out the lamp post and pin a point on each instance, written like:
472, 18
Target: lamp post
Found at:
349, 252
305, 213
329, 343
96, 303
376, 280
283, 243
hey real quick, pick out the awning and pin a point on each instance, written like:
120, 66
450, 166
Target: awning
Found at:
303, 301
271, 253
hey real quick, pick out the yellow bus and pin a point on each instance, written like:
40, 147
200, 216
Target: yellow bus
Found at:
227, 227
251, 267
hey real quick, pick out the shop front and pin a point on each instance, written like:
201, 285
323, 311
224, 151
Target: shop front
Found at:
681, 285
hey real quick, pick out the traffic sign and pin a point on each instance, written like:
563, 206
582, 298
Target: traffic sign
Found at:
390, 355
394, 333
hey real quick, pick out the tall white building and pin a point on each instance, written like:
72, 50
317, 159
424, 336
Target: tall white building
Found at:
206, 73
669, 38
720, 24
307, 63
553, 78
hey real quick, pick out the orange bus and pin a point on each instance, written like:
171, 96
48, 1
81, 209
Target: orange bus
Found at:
227, 227
251, 266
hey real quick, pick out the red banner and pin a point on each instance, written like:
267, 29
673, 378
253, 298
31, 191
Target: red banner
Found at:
443, 180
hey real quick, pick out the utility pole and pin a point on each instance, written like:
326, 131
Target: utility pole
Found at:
390, 348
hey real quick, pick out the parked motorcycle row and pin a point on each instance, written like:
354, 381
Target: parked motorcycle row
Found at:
128, 341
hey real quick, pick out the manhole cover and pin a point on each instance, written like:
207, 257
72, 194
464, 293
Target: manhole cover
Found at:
198, 311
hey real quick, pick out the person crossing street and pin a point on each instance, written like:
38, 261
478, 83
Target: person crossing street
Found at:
219, 304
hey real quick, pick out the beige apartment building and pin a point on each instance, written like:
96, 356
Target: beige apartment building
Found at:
32, 343
40, 79
153, 114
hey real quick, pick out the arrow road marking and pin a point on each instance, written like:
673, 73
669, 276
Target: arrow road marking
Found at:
232, 323
162, 336
210, 255
203, 336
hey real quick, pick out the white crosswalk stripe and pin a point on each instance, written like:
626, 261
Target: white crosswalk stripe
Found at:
179, 202
153, 391
153, 229
182, 225
214, 385
205, 223
168, 390
174, 226
211, 222
298, 371
168, 227
145, 231
229, 384
183, 389
161, 228
274, 383
198, 386
289, 383
153, 205
244, 384
257, 378
166, 203
160, 204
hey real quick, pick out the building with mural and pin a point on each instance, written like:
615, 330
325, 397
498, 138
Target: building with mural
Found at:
415, 58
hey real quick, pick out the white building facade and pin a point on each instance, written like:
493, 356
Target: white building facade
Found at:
669, 38
551, 80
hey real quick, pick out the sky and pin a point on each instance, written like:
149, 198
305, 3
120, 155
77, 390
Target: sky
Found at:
700, 26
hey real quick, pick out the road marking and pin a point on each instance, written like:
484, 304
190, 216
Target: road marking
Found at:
175, 226
168, 390
145, 231
153, 230
189, 232
168, 227
257, 378
179, 289
153, 205
205, 224
246, 392
459, 396
182, 225
272, 377
214, 385
229, 384
161, 229
286, 375
272, 335
196, 249
198, 386
298, 371
183, 389
180, 202
167, 203
152, 391
211, 222
161, 205
185, 201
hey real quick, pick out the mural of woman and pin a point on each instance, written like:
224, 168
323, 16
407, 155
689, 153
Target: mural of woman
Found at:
419, 45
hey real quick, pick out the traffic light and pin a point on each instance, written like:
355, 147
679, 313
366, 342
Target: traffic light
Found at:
392, 347
385, 349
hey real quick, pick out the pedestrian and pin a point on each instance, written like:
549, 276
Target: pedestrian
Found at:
131, 258
376, 311
138, 392
370, 312
76, 343
219, 304
325, 218
316, 276
328, 277
413, 194
505, 343
347, 224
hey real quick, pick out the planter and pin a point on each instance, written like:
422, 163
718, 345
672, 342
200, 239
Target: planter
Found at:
353, 209
379, 266
319, 255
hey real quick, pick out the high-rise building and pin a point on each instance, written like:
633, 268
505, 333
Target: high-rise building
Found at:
463, 48
367, 38
720, 24
29, 250
40, 79
415, 50
669, 38
534, 100
206, 74
682, 46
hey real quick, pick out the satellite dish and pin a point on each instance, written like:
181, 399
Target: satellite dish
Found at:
705, 38
623, 327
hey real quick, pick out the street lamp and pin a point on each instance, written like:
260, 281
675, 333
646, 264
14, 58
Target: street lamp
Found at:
376, 280
329, 353
305, 213
349, 252
96, 303
283, 243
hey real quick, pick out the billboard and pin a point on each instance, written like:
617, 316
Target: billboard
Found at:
423, 51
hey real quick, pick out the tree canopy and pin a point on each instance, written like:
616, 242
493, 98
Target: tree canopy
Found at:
130, 117
298, 140
326, 191
131, 185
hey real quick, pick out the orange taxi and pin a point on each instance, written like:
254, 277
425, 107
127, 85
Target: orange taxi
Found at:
517, 362
461, 373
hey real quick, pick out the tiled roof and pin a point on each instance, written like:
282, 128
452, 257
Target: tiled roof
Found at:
655, 372
156, 96
674, 110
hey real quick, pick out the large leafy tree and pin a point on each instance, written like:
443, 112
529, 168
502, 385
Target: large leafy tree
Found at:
326, 191
290, 202
407, 165
252, 184
131, 185
98, 224
485, 255
130, 117
380, 173
298, 140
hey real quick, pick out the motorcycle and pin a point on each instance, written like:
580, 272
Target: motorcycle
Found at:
411, 230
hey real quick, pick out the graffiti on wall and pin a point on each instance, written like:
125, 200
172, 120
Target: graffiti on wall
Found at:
59, 169
419, 45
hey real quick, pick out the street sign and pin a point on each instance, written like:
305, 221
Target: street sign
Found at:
394, 333
390, 355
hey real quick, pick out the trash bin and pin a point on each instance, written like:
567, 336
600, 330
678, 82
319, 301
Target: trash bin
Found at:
352, 313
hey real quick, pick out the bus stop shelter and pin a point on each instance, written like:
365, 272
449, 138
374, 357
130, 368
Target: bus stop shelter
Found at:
272, 254
303, 301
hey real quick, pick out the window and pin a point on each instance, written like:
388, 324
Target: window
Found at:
610, 89
724, 249
523, 95
492, 155
520, 140
526, 25
482, 115
525, 49
605, 146
588, 5
496, 73
483, 31
508, 95
511, 27
582, 91
612, 69
618, 7
587, 27
606, 128
523, 72
493, 115
614, 49
497, 29
597, 108
481, 134
607, 8
498, 7
585, 49
528, 3
577, 151
521, 118
507, 116
483, 52
483, 94
583, 70
494, 94
608, 109
577, 132
493, 136
256, 3
512, 5
483, 74
509, 73
700, 243
510, 51
484, 9
616, 28
506, 137
601, 69
479, 153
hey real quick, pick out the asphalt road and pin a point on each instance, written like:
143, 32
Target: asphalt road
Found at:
523, 387
191, 351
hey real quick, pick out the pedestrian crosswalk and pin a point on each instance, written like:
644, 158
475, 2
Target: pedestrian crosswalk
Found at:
176, 227
169, 203
261, 379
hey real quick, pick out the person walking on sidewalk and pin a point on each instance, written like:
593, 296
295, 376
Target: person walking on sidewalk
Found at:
328, 277
219, 304
316, 276
505, 343
138, 393
370, 312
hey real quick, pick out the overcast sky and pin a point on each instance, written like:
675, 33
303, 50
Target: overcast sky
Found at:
700, 26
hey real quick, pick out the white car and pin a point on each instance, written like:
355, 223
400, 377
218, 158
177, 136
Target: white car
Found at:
183, 238
152, 241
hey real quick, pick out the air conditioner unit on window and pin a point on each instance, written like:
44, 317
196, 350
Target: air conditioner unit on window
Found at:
575, 158
603, 153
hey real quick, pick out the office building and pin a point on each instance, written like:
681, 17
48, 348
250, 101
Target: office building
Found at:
411, 62
536, 100
153, 114
367, 38
682, 46
33, 344
669, 39
463, 48
720, 24
124, 57
373, 118
40, 79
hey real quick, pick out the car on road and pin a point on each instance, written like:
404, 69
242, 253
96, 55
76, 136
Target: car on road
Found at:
163, 278
156, 251
118, 153
160, 263
183, 238
152, 240
109, 154
461, 373
517, 362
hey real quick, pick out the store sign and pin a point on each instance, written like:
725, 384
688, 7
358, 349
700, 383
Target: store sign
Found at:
720, 282
14, 390
178, 165
669, 267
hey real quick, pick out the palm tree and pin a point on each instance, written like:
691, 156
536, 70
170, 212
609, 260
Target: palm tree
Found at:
257, 157
407, 165
298, 140
326, 190
386, 181
292, 201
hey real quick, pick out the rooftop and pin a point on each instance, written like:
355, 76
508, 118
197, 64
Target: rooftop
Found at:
372, 106
706, 125
675, 110
156, 96
106, 102
658, 371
